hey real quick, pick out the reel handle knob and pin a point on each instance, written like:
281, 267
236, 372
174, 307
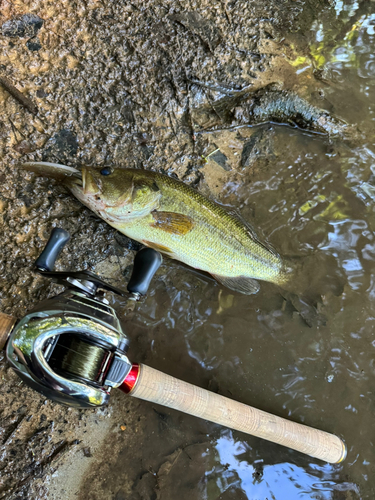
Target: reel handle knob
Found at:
146, 263
58, 239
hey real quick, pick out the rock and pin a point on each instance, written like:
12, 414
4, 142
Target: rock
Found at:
126, 242
260, 145
41, 93
62, 146
27, 26
33, 44
87, 452
24, 147
221, 160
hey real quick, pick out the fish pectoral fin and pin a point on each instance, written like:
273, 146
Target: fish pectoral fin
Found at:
159, 248
172, 222
241, 284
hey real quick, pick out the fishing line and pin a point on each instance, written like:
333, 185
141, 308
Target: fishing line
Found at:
77, 357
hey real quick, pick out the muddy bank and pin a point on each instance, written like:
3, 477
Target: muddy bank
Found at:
113, 85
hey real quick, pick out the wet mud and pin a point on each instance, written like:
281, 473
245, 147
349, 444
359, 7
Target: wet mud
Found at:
174, 87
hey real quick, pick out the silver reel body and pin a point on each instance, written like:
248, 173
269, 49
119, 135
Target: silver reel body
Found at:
81, 319
72, 348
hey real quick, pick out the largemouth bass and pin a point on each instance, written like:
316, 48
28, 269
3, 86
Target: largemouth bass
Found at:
165, 214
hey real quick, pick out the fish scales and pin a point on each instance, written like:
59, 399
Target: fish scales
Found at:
175, 219
218, 242
166, 214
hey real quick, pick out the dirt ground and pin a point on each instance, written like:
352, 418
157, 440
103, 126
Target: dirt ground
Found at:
115, 83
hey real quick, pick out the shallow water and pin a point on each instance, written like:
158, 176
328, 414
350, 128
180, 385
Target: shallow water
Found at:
315, 196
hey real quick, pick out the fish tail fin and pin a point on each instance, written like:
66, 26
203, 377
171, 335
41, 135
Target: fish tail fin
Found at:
241, 284
308, 281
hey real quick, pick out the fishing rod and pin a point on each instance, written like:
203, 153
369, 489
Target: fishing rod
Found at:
72, 348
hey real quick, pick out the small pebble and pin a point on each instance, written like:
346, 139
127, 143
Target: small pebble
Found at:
34, 44
87, 452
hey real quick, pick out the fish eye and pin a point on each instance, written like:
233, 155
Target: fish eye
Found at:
105, 171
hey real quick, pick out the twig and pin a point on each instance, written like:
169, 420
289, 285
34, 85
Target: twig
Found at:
170, 121
190, 118
15, 130
224, 4
205, 158
25, 101
211, 87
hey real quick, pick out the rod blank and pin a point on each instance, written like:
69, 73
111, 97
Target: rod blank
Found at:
157, 387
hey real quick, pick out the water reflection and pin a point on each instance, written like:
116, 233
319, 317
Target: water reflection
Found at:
313, 197
282, 481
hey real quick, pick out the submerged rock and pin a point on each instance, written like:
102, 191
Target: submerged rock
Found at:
260, 145
268, 105
221, 160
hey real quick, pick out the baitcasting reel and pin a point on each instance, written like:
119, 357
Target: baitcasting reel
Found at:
72, 347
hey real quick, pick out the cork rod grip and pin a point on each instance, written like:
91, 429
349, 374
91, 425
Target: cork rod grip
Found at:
157, 387
6, 326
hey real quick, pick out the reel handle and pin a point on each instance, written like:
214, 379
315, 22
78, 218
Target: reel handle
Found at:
146, 263
58, 239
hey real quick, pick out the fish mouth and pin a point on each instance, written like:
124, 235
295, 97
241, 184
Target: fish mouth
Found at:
80, 180
85, 186
90, 186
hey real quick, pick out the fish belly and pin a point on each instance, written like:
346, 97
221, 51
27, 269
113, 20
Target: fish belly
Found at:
217, 254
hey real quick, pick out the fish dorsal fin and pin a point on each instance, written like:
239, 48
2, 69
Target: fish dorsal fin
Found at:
172, 222
241, 284
250, 230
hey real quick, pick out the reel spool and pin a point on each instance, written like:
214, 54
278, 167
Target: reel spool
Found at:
72, 347
74, 357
